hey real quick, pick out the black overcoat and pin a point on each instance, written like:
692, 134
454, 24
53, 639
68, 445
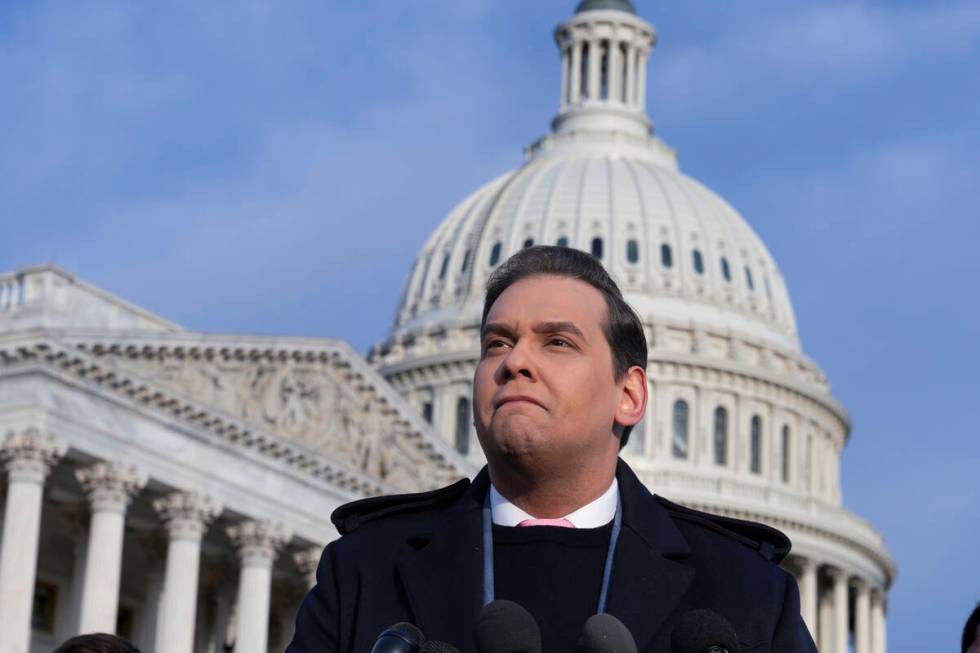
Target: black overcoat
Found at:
418, 558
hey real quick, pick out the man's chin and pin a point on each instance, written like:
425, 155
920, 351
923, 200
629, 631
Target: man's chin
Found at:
517, 437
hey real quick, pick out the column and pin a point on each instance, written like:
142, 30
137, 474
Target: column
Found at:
808, 594
840, 612
595, 58
565, 60
307, 561
878, 622
257, 543
110, 487
186, 516
631, 75
825, 625
28, 457
862, 617
641, 80
615, 72
576, 92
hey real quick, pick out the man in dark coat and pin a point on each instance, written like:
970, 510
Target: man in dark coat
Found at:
560, 383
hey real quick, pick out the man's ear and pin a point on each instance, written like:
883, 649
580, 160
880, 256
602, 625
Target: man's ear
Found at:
633, 397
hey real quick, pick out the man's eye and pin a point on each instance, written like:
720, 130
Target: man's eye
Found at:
495, 344
559, 342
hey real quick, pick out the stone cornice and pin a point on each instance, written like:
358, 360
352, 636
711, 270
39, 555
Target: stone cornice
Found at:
89, 357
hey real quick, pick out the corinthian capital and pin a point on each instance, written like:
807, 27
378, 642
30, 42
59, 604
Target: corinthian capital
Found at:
29, 455
258, 541
110, 485
187, 514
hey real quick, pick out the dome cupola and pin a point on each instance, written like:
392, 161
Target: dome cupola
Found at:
604, 49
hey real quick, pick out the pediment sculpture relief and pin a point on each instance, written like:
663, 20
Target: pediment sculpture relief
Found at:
308, 403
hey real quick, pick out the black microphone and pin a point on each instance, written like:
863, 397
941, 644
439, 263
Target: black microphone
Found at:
703, 631
435, 646
506, 627
399, 638
604, 633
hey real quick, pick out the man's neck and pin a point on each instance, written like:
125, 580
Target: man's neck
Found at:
552, 496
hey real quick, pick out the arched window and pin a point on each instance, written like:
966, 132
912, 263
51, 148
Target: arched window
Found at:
495, 254
562, 241
726, 271
624, 55
721, 436
584, 72
748, 278
679, 442
632, 250
755, 445
427, 411
597, 248
698, 261
666, 256
463, 420
466, 259
807, 458
528, 243
786, 453
604, 71
445, 267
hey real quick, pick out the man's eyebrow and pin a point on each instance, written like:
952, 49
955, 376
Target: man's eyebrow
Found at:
498, 328
558, 327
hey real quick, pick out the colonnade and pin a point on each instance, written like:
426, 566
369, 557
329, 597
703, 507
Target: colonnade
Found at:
28, 457
604, 68
826, 606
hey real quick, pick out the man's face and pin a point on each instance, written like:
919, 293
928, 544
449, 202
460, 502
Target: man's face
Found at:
544, 392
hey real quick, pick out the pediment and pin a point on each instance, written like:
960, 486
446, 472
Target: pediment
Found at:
320, 396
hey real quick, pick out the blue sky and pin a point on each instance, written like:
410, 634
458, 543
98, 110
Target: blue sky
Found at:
273, 168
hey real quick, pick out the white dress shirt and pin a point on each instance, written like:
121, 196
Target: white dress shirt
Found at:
592, 515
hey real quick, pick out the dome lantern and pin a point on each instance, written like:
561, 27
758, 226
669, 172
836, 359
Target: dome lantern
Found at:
617, 5
604, 49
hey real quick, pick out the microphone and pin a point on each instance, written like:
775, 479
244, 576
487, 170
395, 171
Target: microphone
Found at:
435, 646
506, 627
604, 633
399, 638
703, 631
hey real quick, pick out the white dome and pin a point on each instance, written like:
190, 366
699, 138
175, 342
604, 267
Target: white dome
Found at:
739, 421
632, 200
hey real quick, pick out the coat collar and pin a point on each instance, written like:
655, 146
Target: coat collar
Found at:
442, 569
649, 578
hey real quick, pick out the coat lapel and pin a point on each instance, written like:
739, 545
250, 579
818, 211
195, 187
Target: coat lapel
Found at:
648, 580
442, 571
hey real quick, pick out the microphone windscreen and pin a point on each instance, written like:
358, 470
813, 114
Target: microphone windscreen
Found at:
401, 637
698, 631
604, 633
506, 627
435, 646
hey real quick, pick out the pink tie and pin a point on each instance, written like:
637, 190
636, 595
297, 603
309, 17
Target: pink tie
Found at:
560, 523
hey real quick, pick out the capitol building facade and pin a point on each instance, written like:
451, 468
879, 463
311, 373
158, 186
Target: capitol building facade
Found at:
175, 487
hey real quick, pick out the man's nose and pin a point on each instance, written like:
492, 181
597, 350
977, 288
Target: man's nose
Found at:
519, 361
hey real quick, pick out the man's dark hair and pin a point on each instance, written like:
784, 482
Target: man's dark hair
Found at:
622, 327
970, 629
96, 643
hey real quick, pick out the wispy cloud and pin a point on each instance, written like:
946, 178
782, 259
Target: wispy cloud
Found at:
786, 47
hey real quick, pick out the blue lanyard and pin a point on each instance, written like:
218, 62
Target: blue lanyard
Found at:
488, 593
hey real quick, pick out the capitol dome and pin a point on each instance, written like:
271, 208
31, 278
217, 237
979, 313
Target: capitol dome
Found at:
740, 421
